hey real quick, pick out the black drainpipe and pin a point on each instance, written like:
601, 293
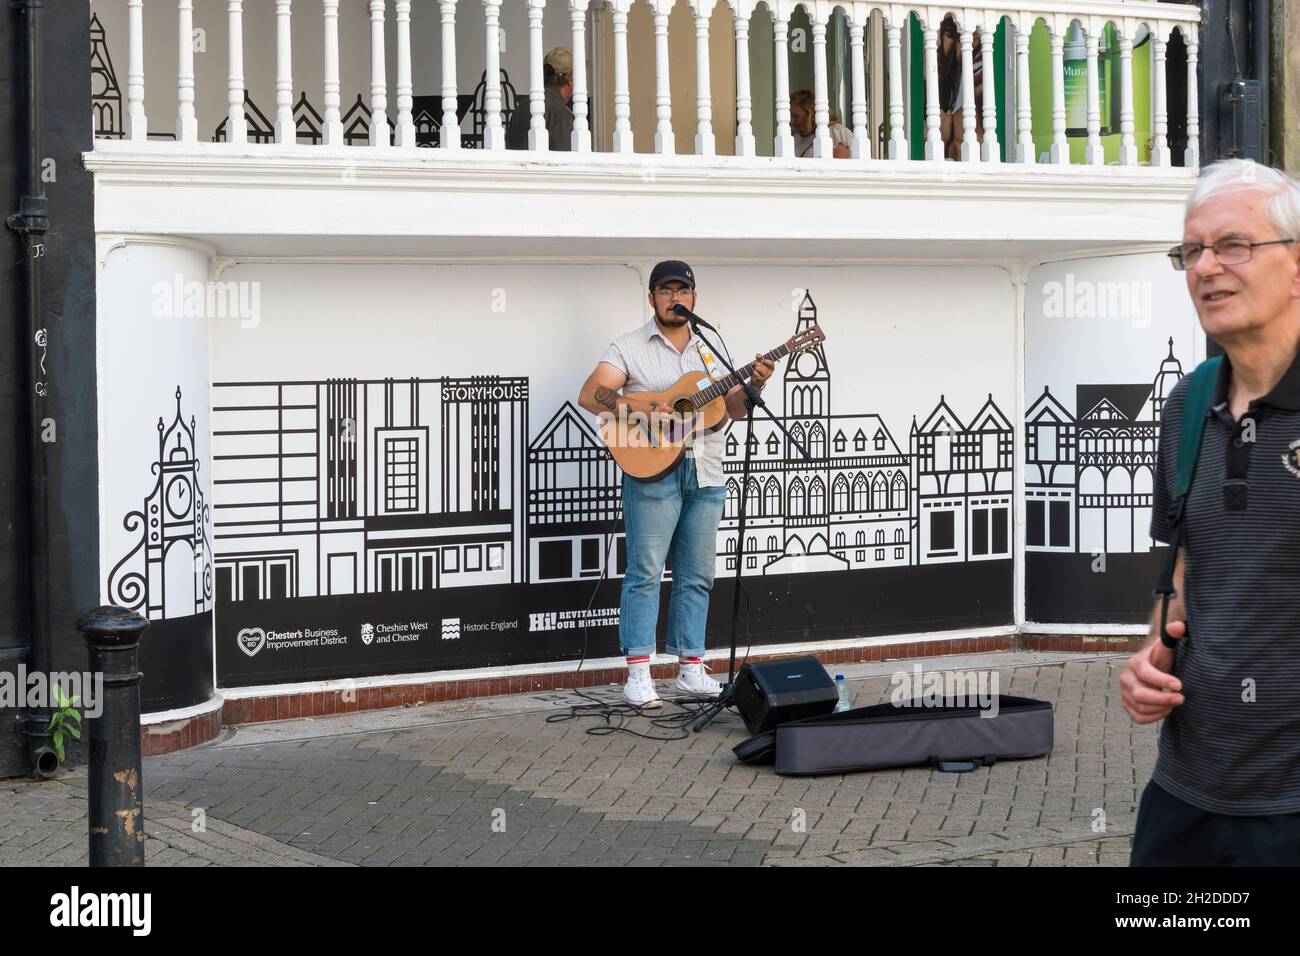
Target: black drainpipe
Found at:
32, 222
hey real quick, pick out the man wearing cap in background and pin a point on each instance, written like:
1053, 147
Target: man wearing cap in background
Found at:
680, 512
557, 80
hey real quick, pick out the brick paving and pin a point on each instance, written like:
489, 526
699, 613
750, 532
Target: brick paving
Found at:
492, 782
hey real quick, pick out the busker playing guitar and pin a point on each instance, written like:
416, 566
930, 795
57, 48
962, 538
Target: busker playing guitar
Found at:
679, 512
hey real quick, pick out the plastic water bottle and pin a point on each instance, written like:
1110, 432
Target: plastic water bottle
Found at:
842, 688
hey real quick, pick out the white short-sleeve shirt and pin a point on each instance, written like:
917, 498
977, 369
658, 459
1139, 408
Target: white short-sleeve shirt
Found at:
651, 364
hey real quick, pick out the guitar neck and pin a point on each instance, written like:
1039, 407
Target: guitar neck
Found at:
723, 385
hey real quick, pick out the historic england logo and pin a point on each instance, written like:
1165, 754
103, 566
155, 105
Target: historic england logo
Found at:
1291, 460
251, 640
367, 634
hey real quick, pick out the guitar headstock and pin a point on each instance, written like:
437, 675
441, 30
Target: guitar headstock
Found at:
806, 340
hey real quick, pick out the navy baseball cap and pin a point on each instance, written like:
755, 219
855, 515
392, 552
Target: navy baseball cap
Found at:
671, 270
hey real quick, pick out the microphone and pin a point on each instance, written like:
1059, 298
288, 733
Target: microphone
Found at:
686, 313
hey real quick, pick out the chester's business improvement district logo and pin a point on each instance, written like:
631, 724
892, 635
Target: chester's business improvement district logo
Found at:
1291, 460
253, 640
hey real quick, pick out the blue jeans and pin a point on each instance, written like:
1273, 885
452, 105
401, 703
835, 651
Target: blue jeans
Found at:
673, 515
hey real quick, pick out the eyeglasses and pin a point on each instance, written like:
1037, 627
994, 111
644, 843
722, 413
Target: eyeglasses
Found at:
1229, 252
666, 293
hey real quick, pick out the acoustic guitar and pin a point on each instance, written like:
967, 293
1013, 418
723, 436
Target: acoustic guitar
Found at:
651, 446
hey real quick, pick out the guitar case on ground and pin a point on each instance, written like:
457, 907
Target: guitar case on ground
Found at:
951, 736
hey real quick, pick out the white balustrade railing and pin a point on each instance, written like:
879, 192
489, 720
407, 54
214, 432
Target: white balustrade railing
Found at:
1080, 24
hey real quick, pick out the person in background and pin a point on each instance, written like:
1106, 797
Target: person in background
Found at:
803, 125
557, 80
952, 99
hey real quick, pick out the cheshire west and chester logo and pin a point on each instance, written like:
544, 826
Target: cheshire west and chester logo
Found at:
1291, 460
251, 640
367, 634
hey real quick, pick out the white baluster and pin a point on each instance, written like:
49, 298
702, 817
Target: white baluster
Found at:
664, 140
539, 139
783, 141
1024, 118
1127, 147
1160, 155
1192, 155
622, 96
970, 147
1093, 154
745, 145
405, 134
449, 131
578, 21
1060, 153
897, 132
332, 132
236, 124
285, 131
494, 134
933, 139
378, 77
187, 126
822, 145
137, 127
861, 136
704, 142
990, 148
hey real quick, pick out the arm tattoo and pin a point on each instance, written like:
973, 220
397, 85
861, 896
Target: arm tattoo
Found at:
607, 397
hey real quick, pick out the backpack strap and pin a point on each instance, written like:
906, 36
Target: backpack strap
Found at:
1200, 393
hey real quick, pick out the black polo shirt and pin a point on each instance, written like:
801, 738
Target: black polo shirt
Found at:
1234, 745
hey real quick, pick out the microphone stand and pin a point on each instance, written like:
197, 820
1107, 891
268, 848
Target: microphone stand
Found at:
710, 711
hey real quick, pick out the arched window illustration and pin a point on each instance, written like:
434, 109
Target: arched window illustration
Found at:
817, 497
943, 448
860, 493
1091, 482
772, 497
898, 492
898, 536
1142, 481
840, 495
796, 400
771, 542
817, 441
753, 499
751, 545
879, 493
861, 539
797, 436
814, 400
839, 539
880, 536
730, 546
797, 505
733, 499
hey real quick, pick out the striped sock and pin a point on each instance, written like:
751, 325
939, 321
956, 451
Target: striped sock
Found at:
634, 661
691, 660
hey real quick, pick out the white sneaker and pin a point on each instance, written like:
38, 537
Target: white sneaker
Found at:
693, 679
639, 691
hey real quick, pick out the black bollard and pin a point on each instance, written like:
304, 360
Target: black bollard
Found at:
115, 788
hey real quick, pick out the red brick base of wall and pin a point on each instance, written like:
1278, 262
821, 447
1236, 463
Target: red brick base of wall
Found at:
177, 735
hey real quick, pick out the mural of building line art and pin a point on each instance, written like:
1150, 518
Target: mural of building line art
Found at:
105, 94
308, 124
260, 129
347, 486
861, 502
1089, 476
574, 498
168, 572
